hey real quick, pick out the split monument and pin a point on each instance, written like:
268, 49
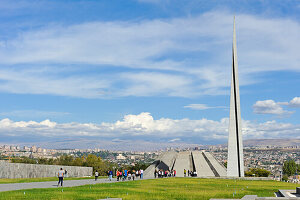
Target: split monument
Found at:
235, 160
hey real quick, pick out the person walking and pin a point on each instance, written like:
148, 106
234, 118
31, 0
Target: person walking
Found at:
188, 172
133, 175
125, 174
137, 173
184, 172
96, 175
129, 175
118, 174
142, 172
155, 173
60, 177
110, 174
174, 173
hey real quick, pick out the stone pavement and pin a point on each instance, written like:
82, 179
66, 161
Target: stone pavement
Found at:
52, 184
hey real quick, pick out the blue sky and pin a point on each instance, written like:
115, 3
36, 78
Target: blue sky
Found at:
113, 70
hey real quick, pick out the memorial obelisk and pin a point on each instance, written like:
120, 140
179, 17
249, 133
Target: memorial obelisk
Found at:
235, 161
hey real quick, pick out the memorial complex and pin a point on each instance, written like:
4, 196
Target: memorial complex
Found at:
201, 162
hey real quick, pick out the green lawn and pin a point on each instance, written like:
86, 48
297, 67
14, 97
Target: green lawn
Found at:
27, 180
167, 188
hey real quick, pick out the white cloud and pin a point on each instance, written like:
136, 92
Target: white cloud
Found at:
295, 102
144, 127
201, 107
149, 51
272, 107
268, 107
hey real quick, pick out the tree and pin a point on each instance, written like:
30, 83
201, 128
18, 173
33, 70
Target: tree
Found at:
285, 178
289, 167
96, 163
257, 172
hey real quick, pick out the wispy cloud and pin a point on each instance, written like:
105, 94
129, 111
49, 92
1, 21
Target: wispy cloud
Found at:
33, 114
202, 107
152, 1
153, 52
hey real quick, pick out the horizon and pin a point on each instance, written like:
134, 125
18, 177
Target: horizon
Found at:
147, 71
142, 146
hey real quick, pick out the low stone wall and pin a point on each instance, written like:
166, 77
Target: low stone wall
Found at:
240, 178
21, 170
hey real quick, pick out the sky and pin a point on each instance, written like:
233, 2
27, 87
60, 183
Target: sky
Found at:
148, 71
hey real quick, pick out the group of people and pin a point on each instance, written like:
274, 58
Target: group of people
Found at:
128, 175
189, 173
164, 173
123, 174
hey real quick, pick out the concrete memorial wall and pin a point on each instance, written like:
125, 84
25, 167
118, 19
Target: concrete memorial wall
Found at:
21, 170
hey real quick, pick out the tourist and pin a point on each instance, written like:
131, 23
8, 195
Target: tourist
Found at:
155, 173
66, 173
141, 174
110, 174
129, 175
137, 173
125, 174
195, 173
118, 175
96, 175
60, 177
133, 175
184, 172
188, 172
174, 173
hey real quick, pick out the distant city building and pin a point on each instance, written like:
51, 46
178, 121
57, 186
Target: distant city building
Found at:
120, 157
33, 149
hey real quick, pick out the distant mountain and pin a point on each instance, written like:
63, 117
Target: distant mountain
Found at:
136, 145
115, 145
272, 142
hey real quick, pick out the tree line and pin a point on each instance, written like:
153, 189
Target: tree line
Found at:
85, 161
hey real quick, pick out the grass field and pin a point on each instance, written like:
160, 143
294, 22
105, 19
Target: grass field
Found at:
27, 180
167, 188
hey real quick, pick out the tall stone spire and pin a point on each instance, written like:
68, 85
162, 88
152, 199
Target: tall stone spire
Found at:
235, 161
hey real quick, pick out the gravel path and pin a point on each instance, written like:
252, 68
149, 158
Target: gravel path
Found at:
51, 184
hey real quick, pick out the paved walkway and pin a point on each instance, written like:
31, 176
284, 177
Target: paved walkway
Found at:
51, 184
